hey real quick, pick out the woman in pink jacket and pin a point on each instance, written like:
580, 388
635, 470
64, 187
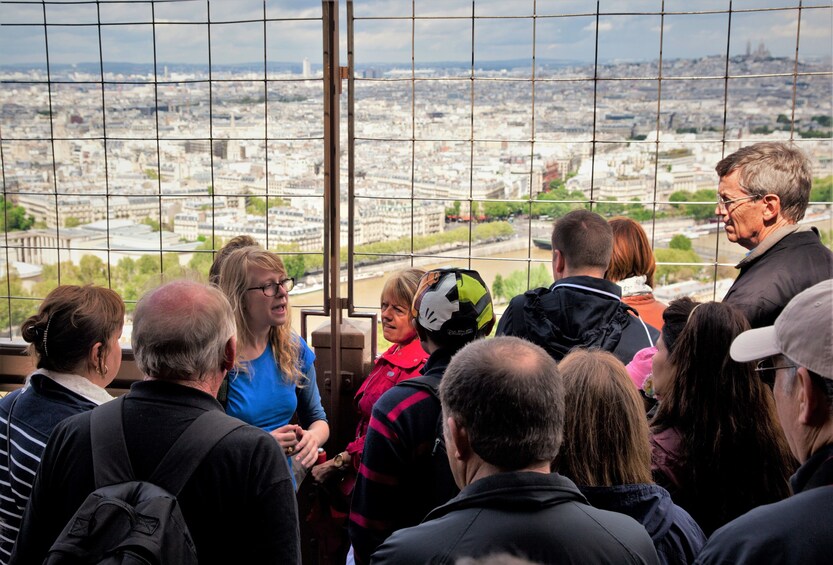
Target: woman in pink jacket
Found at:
403, 360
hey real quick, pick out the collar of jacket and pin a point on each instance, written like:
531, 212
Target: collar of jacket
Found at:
817, 471
407, 356
770, 242
513, 491
592, 285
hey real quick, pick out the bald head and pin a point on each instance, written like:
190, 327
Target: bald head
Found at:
181, 331
508, 394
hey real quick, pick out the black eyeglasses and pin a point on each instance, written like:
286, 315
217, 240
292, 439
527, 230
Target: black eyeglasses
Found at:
766, 371
270, 289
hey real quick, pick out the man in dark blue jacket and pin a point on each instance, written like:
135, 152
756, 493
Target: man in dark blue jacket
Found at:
581, 308
503, 410
763, 193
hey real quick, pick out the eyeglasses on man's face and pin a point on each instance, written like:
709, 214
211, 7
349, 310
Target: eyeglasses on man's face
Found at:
723, 203
270, 289
766, 370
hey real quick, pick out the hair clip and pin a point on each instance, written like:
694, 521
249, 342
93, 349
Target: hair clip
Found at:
45, 333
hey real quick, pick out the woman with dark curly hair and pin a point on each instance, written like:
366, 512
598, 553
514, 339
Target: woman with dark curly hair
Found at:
716, 443
74, 339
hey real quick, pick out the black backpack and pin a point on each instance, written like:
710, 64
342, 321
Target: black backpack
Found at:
129, 521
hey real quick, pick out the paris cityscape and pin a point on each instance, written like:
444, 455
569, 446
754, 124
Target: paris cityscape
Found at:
158, 172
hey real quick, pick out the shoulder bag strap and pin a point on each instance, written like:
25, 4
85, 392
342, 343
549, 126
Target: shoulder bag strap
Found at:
189, 450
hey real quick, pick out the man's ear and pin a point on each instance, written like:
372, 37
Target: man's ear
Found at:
230, 354
558, 264
460, 438
813, 409
772, 207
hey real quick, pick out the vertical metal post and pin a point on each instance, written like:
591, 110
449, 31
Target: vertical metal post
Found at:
332, 217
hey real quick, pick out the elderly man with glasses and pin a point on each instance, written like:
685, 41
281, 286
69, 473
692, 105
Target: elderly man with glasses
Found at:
763, 193
798, 354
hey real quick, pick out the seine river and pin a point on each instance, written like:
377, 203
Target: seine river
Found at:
366, 291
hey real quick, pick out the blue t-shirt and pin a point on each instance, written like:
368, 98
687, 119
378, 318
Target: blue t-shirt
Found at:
262, 396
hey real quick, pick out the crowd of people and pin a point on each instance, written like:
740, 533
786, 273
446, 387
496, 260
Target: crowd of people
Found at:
598, 426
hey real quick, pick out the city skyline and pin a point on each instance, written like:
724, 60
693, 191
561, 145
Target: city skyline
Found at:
441, 31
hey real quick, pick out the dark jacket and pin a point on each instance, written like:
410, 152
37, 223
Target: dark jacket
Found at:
540, 517
795, 530
401, 477
239, 504
38, 408
677, 537
577, 312
778, 269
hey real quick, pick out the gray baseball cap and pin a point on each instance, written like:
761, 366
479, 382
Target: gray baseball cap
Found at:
803, 332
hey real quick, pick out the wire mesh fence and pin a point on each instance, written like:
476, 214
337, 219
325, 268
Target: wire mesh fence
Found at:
137, 136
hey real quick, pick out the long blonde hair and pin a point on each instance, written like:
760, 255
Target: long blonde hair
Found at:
234, 280
605, 432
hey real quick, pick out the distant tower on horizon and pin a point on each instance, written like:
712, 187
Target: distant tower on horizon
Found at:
307, 68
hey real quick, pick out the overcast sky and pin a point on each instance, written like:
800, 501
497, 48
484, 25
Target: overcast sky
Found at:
442, 30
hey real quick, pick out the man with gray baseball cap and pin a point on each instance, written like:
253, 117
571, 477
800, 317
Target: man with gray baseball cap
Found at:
797, 355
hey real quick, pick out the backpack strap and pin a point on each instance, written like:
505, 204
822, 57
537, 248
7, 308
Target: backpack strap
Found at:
431, 384
111, 461
192, 446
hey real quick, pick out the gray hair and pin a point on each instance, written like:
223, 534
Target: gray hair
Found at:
509, 395
180, 331
773, 168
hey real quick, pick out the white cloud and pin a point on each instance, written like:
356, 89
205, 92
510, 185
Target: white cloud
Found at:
603, 27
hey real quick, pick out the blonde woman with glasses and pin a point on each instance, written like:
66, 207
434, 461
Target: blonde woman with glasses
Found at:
274, 376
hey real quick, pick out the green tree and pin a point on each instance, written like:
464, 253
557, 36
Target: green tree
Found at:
295, 266
517, 283
13, 217
92, 270
497, 210
453, 210
823, 120
667, 274
202, 259
680, 241
154, 224
15, 310
257, 206
147, 264
498, 292
71, 222
696, 211
822, 190
555, 203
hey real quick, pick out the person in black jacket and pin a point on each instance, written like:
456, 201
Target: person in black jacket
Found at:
404, 472
503, 408
762, 195
581, 308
